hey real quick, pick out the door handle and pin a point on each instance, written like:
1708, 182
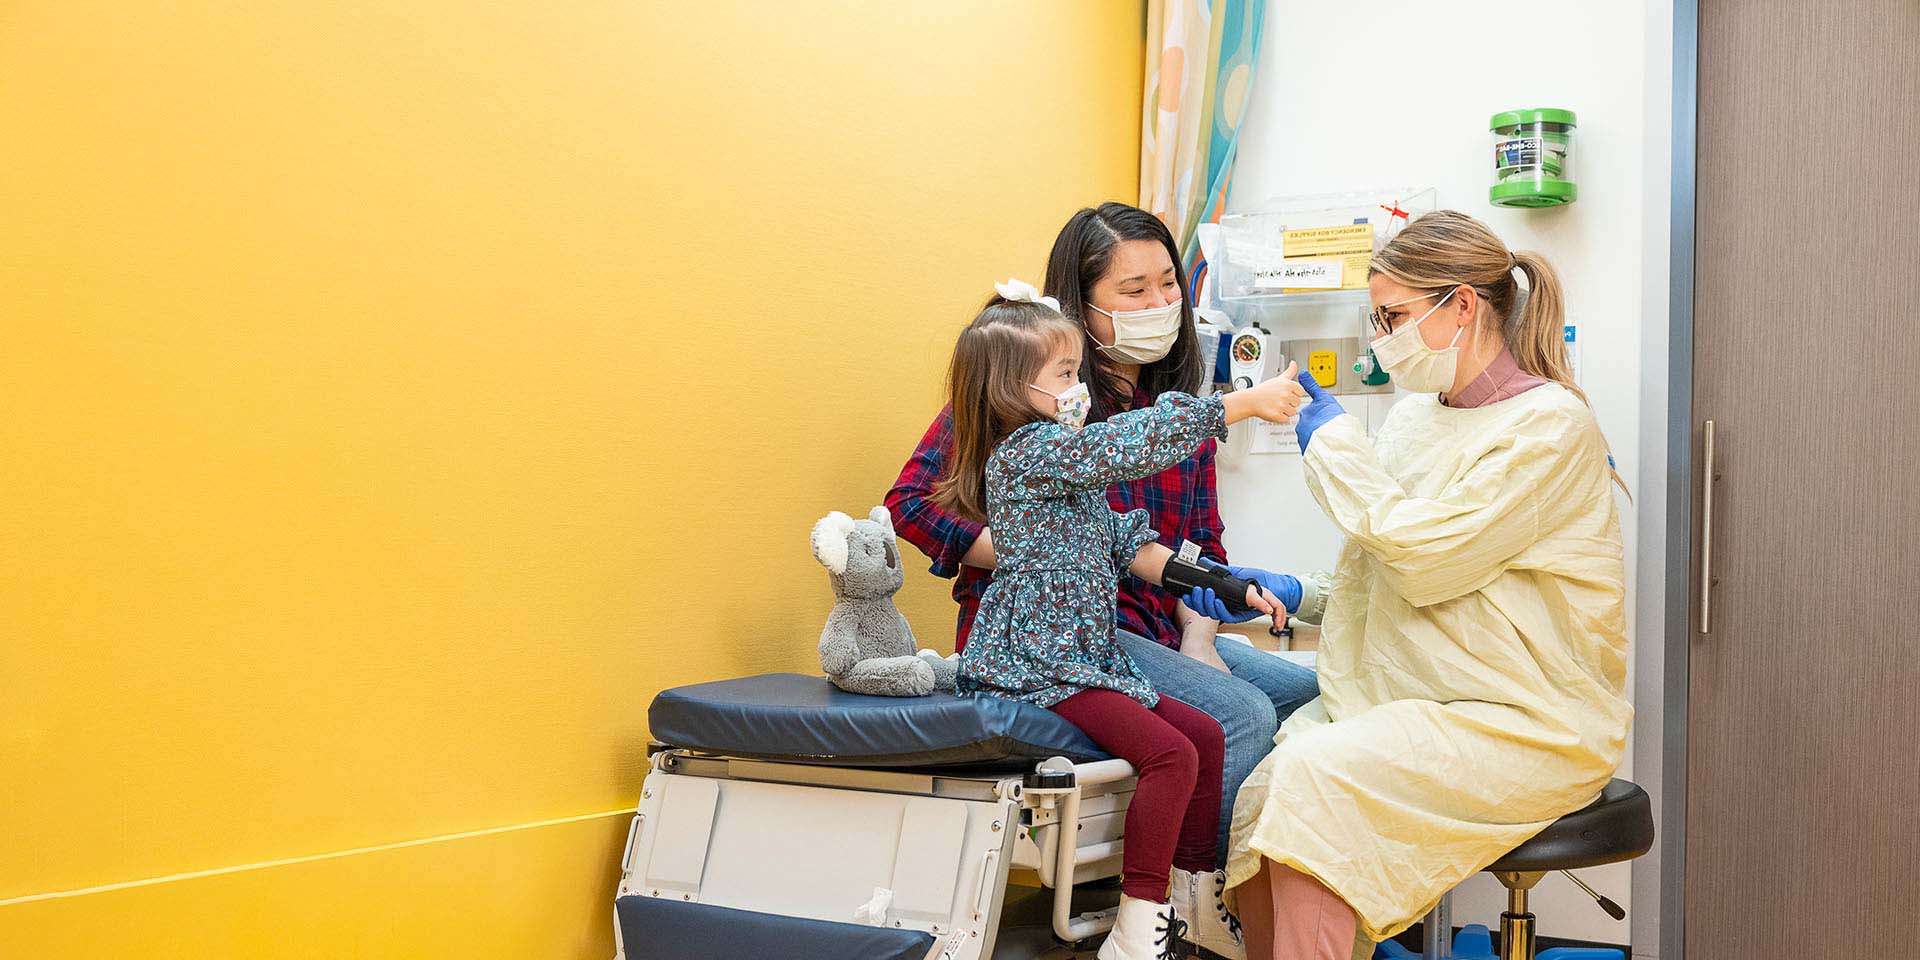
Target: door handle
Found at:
1706, 529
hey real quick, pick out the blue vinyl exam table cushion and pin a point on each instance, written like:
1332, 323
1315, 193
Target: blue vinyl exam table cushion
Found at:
671, 930
795, 718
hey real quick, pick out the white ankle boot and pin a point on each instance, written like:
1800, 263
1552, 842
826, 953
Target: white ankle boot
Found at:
1144, 930
1199, 903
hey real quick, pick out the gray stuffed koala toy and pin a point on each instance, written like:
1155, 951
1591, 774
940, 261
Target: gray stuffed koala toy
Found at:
867, 646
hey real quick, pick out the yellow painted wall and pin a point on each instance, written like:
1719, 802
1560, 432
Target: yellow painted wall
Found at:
394, 396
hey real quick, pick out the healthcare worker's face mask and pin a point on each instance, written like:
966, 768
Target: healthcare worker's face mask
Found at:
1412, 364
1142, 336
1070, 406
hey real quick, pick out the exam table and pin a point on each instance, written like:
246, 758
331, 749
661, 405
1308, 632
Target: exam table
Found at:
785, 817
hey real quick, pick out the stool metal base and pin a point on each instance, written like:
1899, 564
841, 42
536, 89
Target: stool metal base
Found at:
1516, 924
1516, 936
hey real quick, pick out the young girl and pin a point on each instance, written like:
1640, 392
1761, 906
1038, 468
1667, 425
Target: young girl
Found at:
1023, 462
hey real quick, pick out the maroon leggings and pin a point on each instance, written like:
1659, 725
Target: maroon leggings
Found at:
1176, 751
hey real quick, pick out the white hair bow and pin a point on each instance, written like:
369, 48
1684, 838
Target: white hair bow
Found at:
1020, 291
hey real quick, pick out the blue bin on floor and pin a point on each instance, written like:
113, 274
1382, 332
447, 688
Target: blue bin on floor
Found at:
1474, 942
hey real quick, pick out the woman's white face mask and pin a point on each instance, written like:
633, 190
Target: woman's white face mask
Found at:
1412, 364
1142, 336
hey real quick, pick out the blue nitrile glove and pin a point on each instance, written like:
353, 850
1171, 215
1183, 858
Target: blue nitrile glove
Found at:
1284, 588
1201, 600
1315, 415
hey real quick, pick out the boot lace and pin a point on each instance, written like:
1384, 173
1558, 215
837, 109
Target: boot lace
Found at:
1171, 933
1226, 916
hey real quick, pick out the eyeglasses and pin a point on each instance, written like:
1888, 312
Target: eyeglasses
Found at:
1378, 315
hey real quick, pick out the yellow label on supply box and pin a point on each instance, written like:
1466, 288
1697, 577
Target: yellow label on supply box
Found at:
1353, 272
1317, 241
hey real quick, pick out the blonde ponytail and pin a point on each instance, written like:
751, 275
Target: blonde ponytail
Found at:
1447, 248
1537, 337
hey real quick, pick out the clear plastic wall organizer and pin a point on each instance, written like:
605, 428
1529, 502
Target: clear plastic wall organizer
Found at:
1311, 249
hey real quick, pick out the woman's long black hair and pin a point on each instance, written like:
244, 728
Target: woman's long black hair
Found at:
1081, 255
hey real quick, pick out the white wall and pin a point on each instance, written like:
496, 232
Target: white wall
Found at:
1393, 92
1651, 489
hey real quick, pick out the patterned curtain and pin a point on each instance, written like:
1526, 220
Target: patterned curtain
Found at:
1200, 60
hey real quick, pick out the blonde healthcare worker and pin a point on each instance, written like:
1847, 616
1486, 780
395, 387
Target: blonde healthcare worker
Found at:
1473, 656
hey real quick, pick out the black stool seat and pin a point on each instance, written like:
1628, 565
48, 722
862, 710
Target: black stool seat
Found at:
1616, 827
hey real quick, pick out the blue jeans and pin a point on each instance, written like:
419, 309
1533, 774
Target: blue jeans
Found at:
1249, 704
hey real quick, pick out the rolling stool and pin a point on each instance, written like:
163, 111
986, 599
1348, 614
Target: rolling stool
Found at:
1616, 827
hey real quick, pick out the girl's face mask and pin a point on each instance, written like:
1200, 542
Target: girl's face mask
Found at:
1070, 406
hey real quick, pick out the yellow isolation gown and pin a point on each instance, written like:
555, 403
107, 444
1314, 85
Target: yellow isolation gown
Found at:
1472, 659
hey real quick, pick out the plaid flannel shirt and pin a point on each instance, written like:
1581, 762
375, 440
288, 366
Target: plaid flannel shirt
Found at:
1181, 502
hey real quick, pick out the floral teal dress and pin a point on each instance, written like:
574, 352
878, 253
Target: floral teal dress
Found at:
1045, 627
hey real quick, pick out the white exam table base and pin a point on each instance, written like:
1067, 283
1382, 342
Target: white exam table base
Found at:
814, 841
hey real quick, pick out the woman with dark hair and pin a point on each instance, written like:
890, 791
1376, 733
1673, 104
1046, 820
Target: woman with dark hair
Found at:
1116, 272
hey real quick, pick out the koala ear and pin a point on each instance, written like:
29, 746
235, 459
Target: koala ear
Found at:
830, 541
880, 516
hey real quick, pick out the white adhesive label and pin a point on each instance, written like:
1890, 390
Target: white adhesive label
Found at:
955, 944
1301, 275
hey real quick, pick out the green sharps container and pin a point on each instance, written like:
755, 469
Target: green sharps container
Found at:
1533, 158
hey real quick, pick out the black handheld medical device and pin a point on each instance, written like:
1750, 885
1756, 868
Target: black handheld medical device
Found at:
1186, 570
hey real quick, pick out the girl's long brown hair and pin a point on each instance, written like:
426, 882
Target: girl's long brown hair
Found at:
989, 390
1446, 248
